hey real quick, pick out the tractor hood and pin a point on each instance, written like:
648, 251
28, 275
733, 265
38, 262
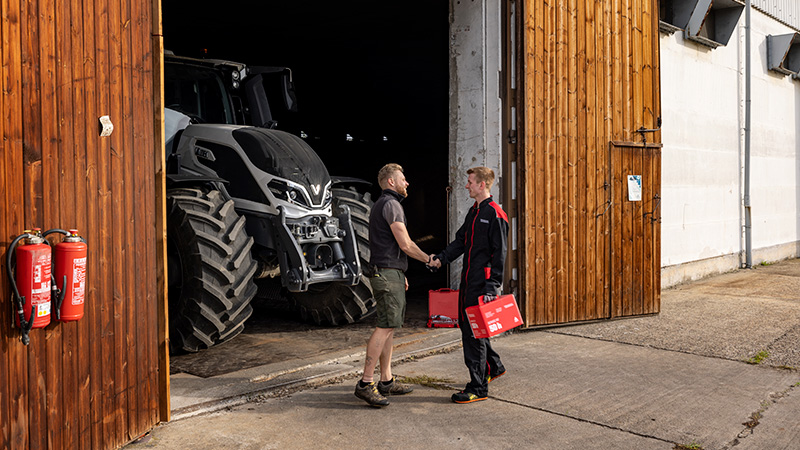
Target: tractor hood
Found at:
286, 156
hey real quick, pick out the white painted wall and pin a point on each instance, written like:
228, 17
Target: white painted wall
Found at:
475, 108
702, 159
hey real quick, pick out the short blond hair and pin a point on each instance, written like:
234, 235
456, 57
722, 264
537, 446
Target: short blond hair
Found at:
387, 172
484, 174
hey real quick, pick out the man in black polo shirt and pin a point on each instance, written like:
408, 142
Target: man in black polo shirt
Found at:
389, 246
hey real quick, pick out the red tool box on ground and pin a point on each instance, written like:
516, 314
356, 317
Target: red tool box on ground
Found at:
495, 317
443, 308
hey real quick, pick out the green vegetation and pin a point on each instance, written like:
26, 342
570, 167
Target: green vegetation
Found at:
693, 446
759, 357
424, 380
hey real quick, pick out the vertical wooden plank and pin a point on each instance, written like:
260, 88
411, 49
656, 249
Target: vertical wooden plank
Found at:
160, 210
616, 74
626, 67
581, 191
637, 54
105, 418
603, 172
124, 194
551, 182
33, 209
651, 94
52, 370
13, 413
591, 205
14, 212
538, 158
135, 340
637, 234
116, 183
648, 225
93, 433
152, 116
575, 161
628, 236
67, 192
558, 181
83, 334
656, 240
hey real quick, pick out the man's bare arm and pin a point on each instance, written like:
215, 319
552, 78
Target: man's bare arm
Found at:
406, 244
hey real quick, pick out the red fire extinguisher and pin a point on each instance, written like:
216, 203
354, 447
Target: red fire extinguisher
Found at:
31, 282
69, 264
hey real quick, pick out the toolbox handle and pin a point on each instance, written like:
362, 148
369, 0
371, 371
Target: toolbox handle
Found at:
443, 290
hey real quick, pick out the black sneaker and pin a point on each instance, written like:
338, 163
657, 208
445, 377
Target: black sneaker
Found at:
370, 394
466, 397
495, 376
394, 388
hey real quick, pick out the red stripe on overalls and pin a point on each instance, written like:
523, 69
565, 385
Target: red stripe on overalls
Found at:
500, 213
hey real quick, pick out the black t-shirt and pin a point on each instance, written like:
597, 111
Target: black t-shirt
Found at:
383, 247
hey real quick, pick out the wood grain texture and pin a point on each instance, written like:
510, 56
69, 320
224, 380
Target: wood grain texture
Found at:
91, 383
590, 78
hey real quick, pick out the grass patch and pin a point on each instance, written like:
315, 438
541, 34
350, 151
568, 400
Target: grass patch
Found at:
431, 382
766, 263
692, 446
759, 357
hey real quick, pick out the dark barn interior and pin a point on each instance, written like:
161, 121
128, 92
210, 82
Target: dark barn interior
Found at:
372, 86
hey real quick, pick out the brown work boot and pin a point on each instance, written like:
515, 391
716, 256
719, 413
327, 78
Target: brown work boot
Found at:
394, 388
370, 394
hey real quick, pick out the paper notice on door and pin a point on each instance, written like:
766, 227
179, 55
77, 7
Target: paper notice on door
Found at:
634, 188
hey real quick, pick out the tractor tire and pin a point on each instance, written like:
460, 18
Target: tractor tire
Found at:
336, 303
210, 269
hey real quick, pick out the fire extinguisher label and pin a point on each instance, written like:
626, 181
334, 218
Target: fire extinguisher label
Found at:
40, 290
43, 309
78, 280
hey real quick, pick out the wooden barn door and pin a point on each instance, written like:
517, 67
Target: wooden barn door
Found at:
586, 75
635, 256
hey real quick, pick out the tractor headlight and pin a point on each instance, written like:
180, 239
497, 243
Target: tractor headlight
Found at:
283, 190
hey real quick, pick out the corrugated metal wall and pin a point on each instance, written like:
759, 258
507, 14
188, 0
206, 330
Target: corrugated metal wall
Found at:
91, 383
591, 77
787, 11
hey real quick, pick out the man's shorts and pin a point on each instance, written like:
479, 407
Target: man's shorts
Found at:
389, 288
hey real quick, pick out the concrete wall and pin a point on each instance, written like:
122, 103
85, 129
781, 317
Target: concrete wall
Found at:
703, 155
475, 119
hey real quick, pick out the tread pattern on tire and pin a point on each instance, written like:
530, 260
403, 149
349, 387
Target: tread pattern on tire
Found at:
213, 299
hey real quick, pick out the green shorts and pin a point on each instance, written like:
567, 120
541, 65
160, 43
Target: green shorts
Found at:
389, 288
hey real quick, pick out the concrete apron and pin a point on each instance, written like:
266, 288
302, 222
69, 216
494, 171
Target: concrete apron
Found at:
659, 395
191, 395
560, 392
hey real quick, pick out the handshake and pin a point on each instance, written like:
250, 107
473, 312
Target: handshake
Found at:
433, 263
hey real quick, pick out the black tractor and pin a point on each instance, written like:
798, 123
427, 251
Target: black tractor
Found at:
252, 209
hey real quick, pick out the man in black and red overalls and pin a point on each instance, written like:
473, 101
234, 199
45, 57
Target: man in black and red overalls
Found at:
482, 241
